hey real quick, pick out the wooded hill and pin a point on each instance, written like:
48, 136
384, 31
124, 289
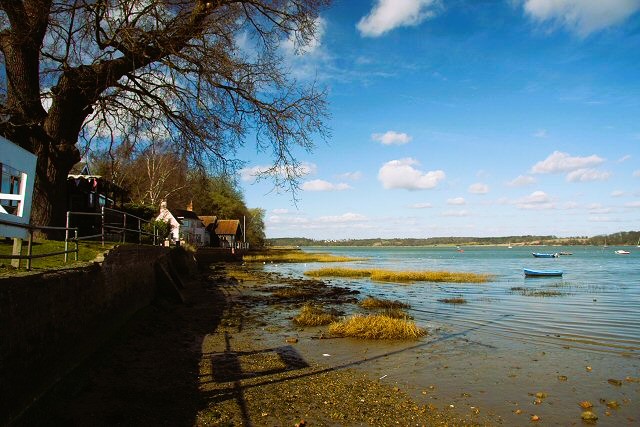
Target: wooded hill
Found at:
621, 239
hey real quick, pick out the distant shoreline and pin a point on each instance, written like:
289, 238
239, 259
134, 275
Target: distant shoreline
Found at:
626, 238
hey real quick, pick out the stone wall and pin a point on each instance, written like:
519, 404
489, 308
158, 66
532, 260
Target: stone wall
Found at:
52, 321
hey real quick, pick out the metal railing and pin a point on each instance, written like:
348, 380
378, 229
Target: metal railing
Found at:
30, 255
113, 221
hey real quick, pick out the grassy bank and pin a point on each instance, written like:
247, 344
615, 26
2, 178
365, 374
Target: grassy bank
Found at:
88, 251
401, 276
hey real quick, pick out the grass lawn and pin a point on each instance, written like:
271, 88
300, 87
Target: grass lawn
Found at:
88, 251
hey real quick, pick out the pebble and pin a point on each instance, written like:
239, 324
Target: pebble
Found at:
615, 382
585, 404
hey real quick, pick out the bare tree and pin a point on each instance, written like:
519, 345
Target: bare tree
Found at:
200, 74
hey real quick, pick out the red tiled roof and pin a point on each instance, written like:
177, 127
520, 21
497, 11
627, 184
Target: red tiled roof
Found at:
227, 227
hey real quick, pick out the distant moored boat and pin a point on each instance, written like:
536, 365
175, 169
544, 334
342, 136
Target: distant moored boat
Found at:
541, 273
621, 252
541, 255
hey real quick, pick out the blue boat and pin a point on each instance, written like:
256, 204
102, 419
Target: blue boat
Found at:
540, 255
541, 273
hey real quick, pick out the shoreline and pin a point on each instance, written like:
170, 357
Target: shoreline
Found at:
232, 356
229, 356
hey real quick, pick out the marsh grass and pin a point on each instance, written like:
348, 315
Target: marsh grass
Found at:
527, 292
377, 326
455, 300
372, 302
293, 256
401, 276
312, 315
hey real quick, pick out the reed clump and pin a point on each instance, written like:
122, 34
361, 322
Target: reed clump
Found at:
294, 256
312, 315
536, 292
338, 272
372, 302
401, 276
455, 300
377, 326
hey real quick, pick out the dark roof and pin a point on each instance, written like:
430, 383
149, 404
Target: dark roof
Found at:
183, 213
227, 227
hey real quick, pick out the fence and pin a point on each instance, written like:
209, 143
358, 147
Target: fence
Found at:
113, 223
30, 255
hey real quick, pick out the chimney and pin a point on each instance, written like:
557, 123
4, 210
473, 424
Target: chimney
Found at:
190, 206
163, 205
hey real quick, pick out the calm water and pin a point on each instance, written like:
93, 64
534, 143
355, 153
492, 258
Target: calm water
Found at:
598, 308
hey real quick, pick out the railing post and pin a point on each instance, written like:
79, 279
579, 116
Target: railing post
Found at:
66, 237
29, 250
77, 248
102, 225
139, 233
155, 235
124, 227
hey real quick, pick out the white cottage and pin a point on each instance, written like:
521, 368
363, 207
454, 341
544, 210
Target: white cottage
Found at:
185, 225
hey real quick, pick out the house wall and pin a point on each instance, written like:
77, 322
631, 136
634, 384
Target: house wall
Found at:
165, 215
50, 322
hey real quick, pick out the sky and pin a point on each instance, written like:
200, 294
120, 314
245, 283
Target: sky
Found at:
467, 118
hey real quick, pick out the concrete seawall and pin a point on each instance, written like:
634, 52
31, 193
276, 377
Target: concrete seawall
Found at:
52, 321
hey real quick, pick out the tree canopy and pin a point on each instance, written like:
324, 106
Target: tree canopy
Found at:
199, 75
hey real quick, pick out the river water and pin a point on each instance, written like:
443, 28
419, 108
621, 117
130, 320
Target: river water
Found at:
575, 337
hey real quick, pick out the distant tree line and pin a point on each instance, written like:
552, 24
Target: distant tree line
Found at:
621, 239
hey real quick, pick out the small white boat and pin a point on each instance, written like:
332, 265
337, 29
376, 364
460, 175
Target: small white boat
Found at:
621, 252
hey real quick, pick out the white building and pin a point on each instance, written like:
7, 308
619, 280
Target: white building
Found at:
185, 225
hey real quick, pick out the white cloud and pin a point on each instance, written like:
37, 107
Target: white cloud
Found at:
478, 188
321, 185
456, 201
636, 173
617, 193
280, 211
600, 219
581, 16
421, 206
541, 133
255, 172
391, 138
584, 175
389, 14
599, 209
455, 213
402, 174
536, 200
347, 217
522, 181
352, 176
624, 158
559, 162
633, 204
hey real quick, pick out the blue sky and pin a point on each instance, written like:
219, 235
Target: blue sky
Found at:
468, 118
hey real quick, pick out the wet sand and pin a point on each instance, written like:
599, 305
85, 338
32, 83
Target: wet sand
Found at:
232, 356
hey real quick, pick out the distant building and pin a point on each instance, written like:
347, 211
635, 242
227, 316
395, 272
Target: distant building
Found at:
185, 225
228, 233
